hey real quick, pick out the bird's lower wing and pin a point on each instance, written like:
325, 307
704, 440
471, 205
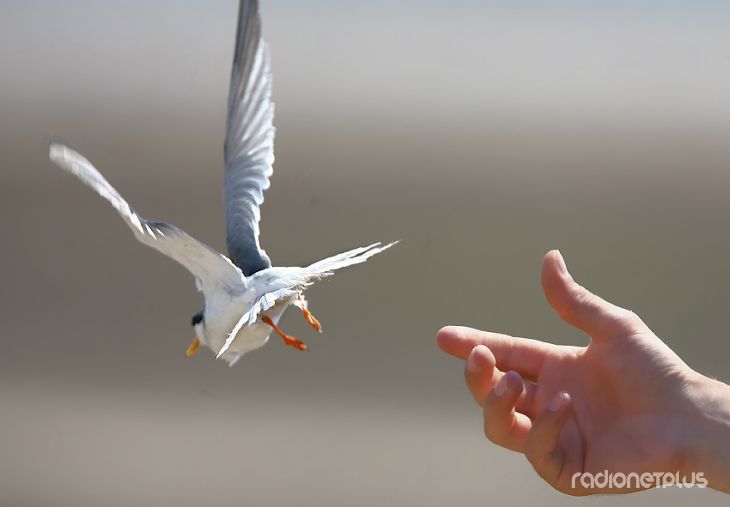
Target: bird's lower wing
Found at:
328, 266
296, 280
211, 269
261, 305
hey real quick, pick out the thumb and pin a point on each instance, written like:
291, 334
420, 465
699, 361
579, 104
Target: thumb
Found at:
579, 307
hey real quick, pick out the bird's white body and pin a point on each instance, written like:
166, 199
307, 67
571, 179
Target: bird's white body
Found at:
244, 291
221, 317
223, 311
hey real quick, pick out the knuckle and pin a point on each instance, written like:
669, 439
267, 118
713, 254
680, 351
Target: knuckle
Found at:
631, 319
627, 322
582, 300
493, 433
578, 300
478, 398
493, 436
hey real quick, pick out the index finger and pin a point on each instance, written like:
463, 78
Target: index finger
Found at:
522, 355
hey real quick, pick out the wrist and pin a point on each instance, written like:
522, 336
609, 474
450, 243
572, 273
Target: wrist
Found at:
706, 443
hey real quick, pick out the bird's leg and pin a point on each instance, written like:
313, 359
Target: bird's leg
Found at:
193, 348
301, 303
288, 340
312, 320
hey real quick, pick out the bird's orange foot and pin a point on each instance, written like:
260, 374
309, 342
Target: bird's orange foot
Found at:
193, 348
288, 340
298, 344
312, 320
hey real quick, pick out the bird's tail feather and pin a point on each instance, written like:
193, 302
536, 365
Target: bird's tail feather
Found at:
327, 267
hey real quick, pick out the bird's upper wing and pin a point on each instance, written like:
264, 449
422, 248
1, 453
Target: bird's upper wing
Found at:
249, 146
212, 270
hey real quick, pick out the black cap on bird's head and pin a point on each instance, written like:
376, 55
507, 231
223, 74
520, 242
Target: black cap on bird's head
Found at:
197, 319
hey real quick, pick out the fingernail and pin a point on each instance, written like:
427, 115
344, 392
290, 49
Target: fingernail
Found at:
561, 263
471, 363
560, 400
501, 387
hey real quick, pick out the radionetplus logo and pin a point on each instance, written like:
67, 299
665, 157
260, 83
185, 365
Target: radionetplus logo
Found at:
634, 480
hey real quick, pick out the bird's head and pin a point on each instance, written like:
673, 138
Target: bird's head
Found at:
199, 326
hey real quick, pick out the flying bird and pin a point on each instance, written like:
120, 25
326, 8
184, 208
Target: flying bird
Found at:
244, 295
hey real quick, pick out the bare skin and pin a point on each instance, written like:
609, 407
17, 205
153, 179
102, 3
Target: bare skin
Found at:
624, 403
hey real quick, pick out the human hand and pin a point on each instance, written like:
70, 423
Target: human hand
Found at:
625, 403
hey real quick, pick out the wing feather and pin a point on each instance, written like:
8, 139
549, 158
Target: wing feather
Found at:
212, 270
249, 146
249, 318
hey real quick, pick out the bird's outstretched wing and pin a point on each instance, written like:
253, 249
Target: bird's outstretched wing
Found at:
212, 270
249, 146
292, 281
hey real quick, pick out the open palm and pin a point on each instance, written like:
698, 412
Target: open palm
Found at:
611, 406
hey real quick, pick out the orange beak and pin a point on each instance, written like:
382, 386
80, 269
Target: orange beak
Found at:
193, 348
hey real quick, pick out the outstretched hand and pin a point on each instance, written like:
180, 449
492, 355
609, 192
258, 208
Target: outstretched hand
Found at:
623, 404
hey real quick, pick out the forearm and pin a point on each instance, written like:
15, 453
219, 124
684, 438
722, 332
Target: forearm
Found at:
708, 432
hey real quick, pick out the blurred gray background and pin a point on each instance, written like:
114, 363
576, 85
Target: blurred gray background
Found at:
481, 134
